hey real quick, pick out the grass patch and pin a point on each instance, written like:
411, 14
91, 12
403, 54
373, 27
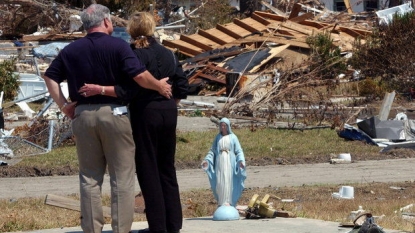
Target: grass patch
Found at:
292, 146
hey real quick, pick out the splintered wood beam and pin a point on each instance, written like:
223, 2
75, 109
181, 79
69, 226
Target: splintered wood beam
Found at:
211, 37
227, 31
195, 42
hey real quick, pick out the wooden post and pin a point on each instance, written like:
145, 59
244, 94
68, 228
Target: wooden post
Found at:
348, 7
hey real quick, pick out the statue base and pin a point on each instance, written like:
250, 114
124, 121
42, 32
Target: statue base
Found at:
226, 213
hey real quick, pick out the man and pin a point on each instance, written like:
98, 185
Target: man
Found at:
100, 125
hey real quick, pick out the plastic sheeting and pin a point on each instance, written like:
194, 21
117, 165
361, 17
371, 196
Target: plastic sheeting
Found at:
49, 50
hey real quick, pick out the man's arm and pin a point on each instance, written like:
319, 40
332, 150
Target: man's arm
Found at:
146, 80
57, 95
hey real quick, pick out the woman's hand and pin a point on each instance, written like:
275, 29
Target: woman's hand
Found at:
90, 90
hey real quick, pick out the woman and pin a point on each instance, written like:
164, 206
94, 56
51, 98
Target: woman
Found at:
154, 120
225, 166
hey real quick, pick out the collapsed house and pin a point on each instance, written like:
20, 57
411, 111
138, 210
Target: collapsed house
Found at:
247, 58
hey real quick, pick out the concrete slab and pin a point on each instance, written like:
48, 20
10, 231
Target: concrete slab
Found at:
206, 224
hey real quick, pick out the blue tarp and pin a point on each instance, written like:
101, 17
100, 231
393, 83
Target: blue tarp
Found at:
352, 133
49, 50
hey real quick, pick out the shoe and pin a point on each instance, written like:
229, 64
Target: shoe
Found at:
148, 231
173, 231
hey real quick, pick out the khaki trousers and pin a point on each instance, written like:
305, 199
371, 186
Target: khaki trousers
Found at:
104, 140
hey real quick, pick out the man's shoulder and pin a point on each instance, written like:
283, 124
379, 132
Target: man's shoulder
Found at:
99, 36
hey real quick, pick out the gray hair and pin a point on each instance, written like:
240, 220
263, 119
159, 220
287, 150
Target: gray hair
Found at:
93, 15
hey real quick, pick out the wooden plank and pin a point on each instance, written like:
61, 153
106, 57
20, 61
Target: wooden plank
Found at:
71, 204
212, 78
352, 32
233, 31
183, 47
284, 32
343, 40
348, 6
295, 11
194, 79
330, 28
314, 24
357, 31
266, 15
258, 18
302, 17
241, 31
213, 67
204, 40
276, 39
216, 36
221, 91
207, 72
277, 28
196, 43
250, 26
296, 42
297, 27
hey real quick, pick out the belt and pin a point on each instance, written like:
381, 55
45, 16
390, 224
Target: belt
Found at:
92, 103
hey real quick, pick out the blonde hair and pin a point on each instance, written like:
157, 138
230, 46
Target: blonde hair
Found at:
141, 26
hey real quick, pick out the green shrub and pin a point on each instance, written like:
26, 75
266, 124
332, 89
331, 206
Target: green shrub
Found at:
371, 88
9, 82
388, 54
326, 58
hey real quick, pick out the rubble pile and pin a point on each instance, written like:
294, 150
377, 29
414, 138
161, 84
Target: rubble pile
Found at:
260, 63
